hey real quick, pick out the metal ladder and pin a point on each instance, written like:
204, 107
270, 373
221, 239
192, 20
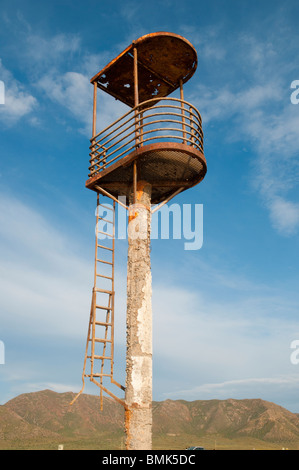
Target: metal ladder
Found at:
99, 353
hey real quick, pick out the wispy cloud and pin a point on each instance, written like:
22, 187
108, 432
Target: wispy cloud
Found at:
44, 51
242, 339
72, 91
45, 290
284, 215
19, 102
251, 387
257, 110
58, 69
42, 278
206, 40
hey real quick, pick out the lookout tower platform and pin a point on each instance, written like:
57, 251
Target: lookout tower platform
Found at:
160, 139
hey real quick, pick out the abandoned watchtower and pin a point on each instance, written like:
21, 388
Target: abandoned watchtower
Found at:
150, 154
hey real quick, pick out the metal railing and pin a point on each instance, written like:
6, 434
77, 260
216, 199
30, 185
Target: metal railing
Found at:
155, 120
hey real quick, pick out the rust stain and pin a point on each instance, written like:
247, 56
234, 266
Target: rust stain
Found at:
133, 213
128, 414
132, 216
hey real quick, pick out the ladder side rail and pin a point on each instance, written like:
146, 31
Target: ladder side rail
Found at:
94, 291
113, 292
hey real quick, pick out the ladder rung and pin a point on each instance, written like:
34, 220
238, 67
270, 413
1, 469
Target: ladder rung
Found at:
100, 357
99, 340
105, 247
106, 277
97, 289
101, 375
105, 233
102, 307
102, 323
103, 261
106, 207
97, 375
105, 220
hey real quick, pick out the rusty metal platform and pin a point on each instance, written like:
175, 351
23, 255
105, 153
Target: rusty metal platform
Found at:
162, 136
166, 166
164, 59
160, 139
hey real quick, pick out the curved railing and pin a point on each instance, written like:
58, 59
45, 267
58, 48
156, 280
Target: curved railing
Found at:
155, 120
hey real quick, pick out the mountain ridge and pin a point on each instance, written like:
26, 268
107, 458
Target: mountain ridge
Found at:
45, 418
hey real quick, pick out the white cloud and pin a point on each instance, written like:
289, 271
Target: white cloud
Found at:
26, 377
250, 98
39, 386
236, 105
45, 283
45, 286
43, 52
267, 388
18, 101
59, 69
242, 343
206, 40
285, 215
261, 113
276, 140
92, 63
45, 290
74, 92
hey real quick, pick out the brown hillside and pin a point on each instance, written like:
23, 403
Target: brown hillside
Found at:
46, 416
14, 427
51, 411
231, 418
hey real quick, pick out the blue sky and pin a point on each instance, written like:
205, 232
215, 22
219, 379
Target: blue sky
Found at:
224, 316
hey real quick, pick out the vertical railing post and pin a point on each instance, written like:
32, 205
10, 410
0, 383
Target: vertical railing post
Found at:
94, 126
136, 103
183, 112
136, 96
94, 117
141, 129
192, 130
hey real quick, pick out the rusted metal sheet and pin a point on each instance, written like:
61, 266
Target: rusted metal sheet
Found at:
164, 59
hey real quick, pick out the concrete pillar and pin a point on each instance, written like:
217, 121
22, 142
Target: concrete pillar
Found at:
138, 397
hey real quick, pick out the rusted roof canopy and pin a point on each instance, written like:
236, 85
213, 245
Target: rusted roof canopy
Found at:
163, 60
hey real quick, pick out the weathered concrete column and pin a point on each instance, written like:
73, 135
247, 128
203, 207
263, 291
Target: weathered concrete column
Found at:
138, 398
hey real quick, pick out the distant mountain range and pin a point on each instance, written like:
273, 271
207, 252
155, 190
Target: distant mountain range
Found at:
44, 420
